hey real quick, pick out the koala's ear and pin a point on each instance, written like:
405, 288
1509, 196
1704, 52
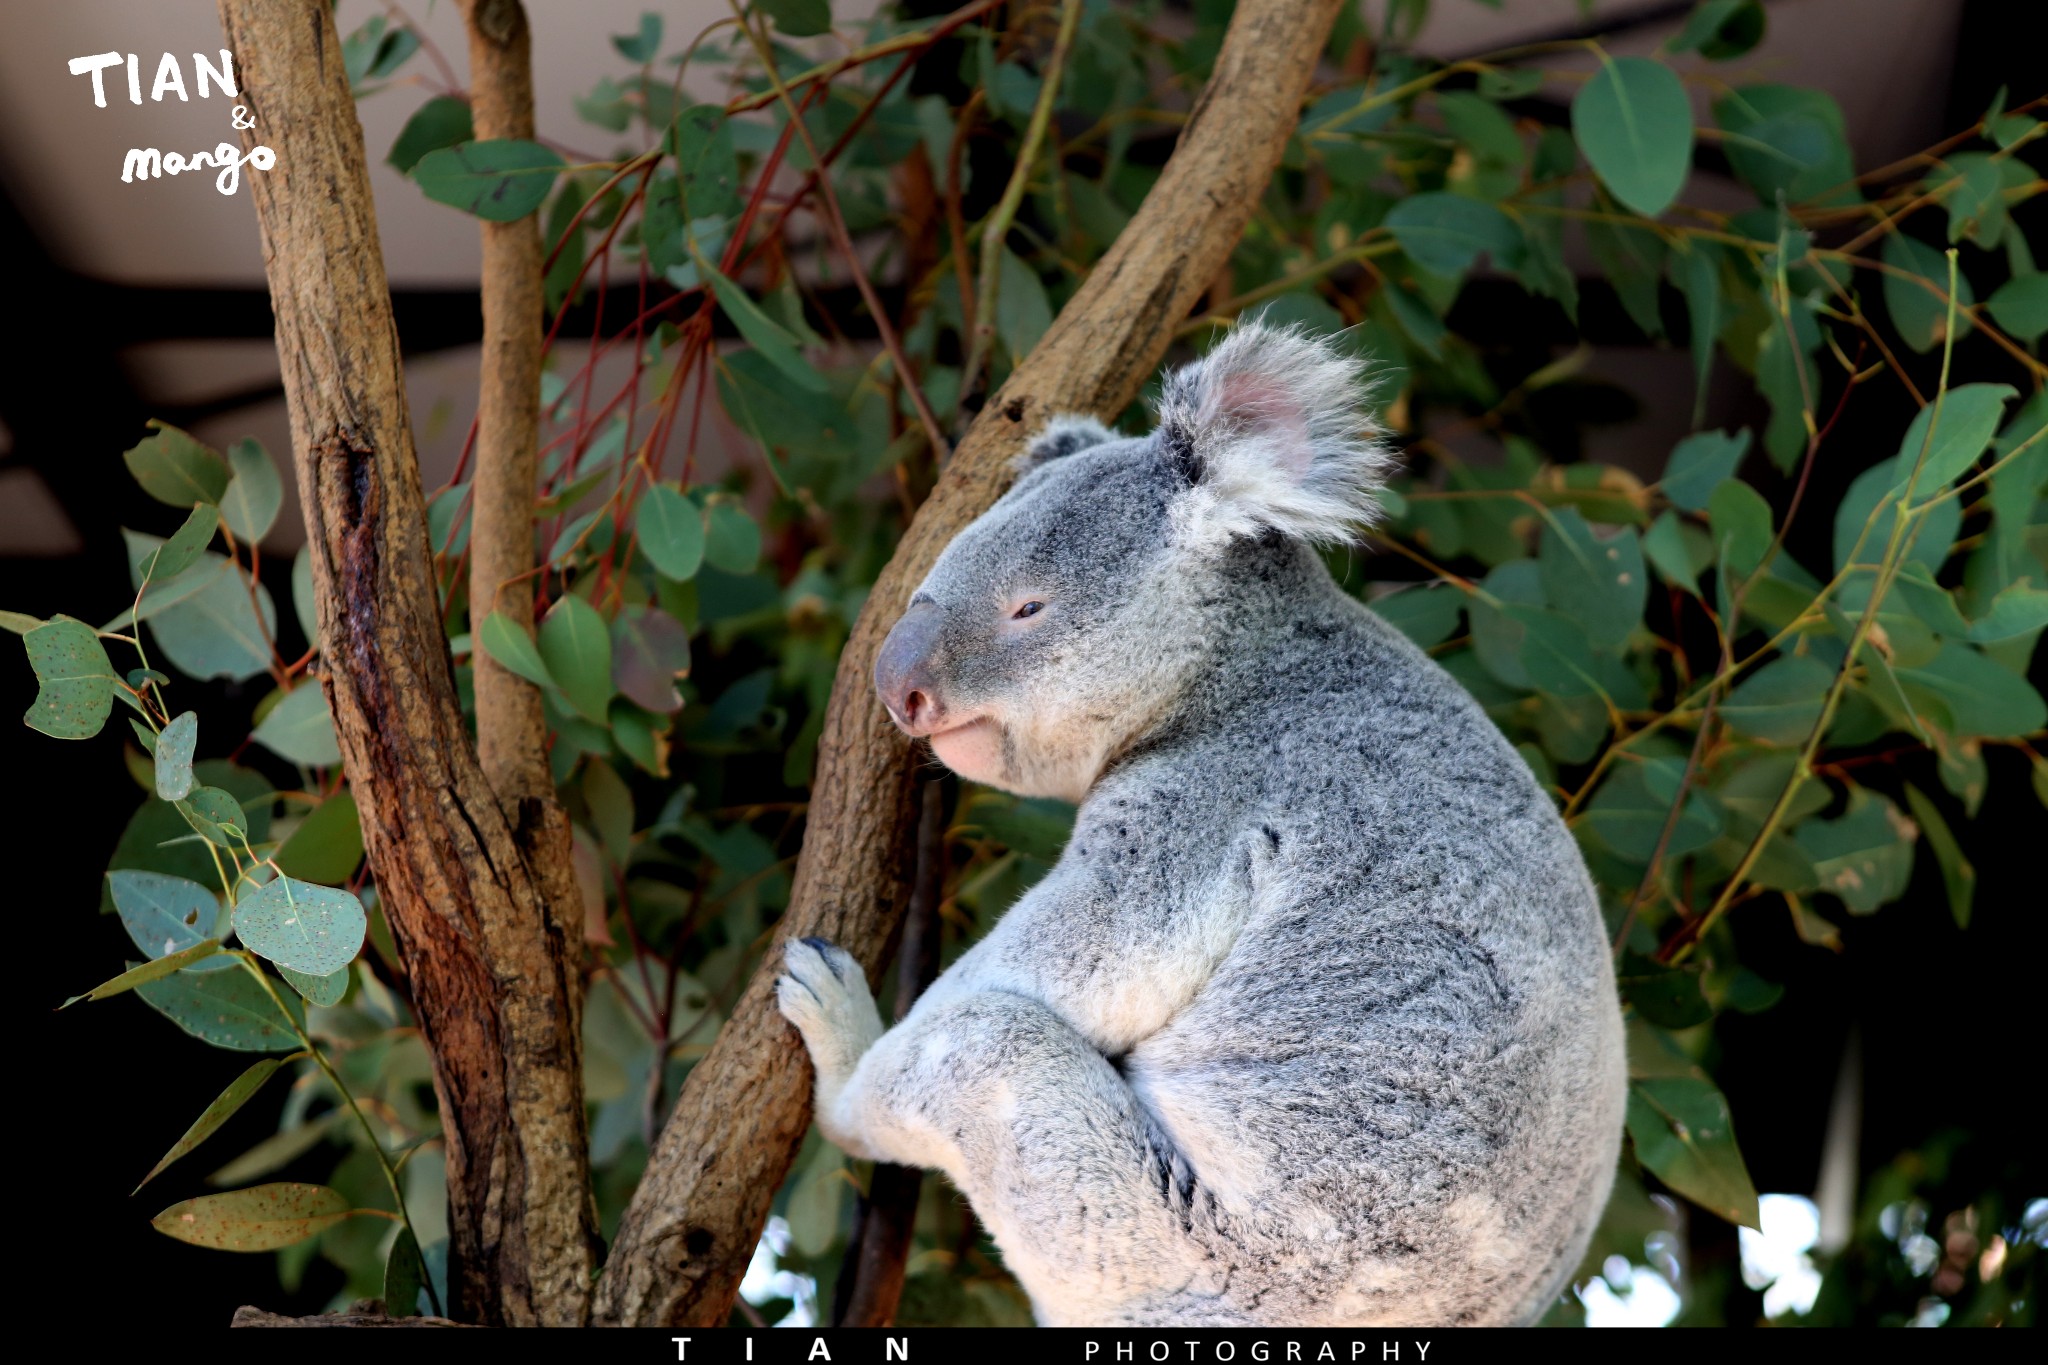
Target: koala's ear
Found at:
1270, 432
1062, 436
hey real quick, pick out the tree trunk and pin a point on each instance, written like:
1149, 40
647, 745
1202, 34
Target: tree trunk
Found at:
698, 1213
491, 960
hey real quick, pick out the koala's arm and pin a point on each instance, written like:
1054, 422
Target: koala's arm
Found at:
1115, 939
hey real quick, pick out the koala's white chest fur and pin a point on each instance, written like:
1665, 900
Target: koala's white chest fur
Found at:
1313, 1023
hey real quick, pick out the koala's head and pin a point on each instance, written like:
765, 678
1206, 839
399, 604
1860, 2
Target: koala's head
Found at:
1068, 619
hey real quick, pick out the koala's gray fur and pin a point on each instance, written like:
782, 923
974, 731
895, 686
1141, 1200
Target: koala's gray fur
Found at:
1314, 1021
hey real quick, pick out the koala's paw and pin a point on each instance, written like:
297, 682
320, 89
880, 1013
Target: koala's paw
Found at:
823, 992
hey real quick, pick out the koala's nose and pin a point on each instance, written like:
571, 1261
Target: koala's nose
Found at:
903, 671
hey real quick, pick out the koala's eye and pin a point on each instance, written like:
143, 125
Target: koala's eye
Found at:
1029, 609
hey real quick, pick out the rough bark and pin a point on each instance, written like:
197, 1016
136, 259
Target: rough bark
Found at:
490, 961
698, 1213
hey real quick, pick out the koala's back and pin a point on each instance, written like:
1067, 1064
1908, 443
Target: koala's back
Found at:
1403, 1084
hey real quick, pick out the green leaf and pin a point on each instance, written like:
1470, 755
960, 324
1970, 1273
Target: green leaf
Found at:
1969, 418
2018, 609
1666, 996
158, 838
260, 1219
577, 651
19, 623
251, 503
216, 814
501, 180
75, 679
1696, 270
1427, 614
650, 650
1631, 808
441, 122
302, 594
671, 530
1958, 877
798, 18
1929, 541
149, 972
174, 757
186, 544
1976, 204
164, 914
1600, 583
1679, 550
1444, 233
638, 46
301, 925
239, 1092
513, 649
765, 335
1023, 313
217, 632
1864, 856
174, 468
1634, 124
1921, 314
1721, 29
1780, 702
327, 845
1681, 1131
300, 729
2021, 306
1741, 522
318, 990
732, 542
1789, 140
1700, 463
707, 168
404, 1272
1969, 696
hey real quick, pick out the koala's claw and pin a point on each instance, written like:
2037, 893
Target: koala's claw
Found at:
824, 993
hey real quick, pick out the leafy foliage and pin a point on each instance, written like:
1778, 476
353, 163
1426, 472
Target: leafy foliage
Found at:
1718, 707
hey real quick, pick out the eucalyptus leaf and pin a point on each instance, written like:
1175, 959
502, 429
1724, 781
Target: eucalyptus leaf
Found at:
186, 544
75, 679
1682, 1131
1445, 233
576, 648
250, 506
671, 530
328, 844
513, 649
501, 180
224, 1107
300, 728
174, 468
1634, 123
150, 972
312, 929
166, 915
260, 1219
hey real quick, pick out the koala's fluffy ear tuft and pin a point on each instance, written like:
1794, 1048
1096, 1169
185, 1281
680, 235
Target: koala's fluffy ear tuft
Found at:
1063, 436
1271, 433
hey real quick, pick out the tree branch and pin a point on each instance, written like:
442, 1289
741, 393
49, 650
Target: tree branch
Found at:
698, 1213
491, 958
871, 1276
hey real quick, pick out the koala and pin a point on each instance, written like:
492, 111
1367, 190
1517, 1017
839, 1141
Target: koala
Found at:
1314, 1021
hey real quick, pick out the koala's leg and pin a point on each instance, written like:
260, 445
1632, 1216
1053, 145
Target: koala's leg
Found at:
1048, 1142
